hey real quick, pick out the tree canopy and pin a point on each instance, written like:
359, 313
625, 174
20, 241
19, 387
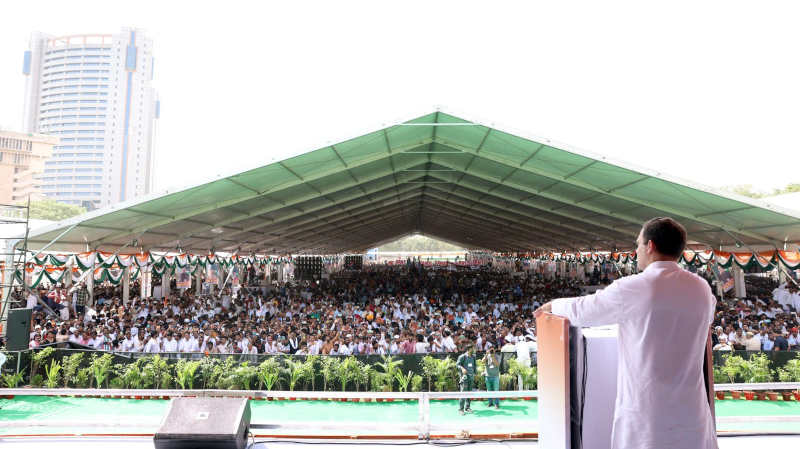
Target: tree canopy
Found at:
749, 191
53, 210
419, 243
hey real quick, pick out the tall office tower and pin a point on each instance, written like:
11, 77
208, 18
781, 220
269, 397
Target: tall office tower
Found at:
95, 93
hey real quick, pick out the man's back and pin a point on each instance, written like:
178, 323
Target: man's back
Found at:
664, 314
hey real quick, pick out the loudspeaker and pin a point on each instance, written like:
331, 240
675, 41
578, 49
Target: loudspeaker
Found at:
218, 423
18, 332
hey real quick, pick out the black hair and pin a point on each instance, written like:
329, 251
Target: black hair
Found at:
668, 236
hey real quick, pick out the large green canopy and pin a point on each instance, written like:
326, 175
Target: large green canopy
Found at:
438, 174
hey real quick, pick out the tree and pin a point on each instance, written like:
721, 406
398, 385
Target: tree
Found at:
419, 243
53, 210
748, 191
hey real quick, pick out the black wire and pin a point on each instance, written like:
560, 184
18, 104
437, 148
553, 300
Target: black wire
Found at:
442, 443
757, 434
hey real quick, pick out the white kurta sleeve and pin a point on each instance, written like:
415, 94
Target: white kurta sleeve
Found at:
598, 309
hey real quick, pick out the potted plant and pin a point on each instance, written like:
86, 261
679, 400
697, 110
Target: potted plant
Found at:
757, 371
790, 373
733, 368
720, 378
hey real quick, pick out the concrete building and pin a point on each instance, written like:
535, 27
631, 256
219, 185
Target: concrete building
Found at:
95, 92
22, 159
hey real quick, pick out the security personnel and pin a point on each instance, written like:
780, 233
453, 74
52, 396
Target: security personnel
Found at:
466, 364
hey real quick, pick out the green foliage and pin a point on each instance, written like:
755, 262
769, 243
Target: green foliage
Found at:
117, 383
12, 380
791, 371
40, 358
71, 366
156, 372
82, 377
363, 375
296, 371
429, 365
312, 362
350, 371
184, 373
37, 381
480, 375
243, 377
205, 371
390, 367
734, 367
405, 380
53, 372
101, 368
221, 377
330, 368
748, 190
419, 243
528, 374
416, 383
719, 375
269, 371
757, 369
53, 210
505, 381
132, 375
446, 374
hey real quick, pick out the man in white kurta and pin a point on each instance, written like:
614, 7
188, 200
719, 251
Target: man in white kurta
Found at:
664, 314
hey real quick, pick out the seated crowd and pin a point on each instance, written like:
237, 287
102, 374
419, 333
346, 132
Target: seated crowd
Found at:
759, 322
382, 310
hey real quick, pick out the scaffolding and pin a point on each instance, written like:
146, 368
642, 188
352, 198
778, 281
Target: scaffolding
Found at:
14, 221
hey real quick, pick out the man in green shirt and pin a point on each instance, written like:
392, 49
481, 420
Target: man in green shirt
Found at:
466, 366
492, 375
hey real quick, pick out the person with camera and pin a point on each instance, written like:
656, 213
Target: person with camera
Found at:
492, 363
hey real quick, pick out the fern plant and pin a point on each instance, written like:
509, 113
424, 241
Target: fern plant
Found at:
330, 370
404, 380
185, 372
71, 366
12, 380
101, 366
52, 371
268, 373
390, 367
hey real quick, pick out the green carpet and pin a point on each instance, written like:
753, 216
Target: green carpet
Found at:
141, 416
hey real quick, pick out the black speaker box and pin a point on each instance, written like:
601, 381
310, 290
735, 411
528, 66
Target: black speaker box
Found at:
18, 333
205, 423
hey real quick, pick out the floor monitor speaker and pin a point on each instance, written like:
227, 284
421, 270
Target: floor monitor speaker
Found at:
205, 423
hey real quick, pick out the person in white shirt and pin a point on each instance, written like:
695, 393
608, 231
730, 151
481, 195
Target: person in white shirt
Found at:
662, 308
152, 345
723, 344
421, 347
171, 345
523, 351
184, 343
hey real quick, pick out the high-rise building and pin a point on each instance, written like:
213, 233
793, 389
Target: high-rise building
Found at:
95, 93
22, 158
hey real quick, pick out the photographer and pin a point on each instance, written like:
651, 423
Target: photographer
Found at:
492, 363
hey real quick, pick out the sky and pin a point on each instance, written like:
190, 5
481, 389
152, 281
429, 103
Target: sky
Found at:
706, 91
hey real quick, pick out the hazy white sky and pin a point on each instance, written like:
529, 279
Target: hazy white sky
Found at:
708, 91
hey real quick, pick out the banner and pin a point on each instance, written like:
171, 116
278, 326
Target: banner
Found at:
183, 278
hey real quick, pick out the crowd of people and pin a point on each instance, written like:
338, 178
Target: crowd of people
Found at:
381, 310
763, 321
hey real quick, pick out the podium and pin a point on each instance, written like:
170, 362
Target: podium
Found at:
578, 383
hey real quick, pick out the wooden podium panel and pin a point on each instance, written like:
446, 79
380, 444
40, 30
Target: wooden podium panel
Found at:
553, 364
